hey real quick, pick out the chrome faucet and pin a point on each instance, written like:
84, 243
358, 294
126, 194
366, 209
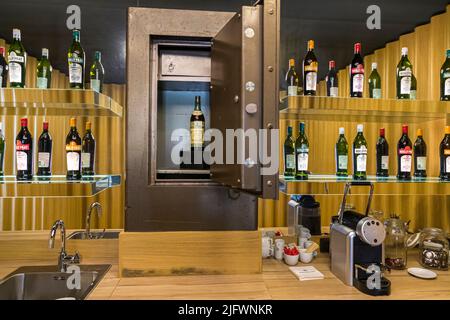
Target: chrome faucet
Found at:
95, 205
64, 259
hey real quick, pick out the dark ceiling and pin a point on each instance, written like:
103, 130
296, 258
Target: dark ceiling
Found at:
334, 24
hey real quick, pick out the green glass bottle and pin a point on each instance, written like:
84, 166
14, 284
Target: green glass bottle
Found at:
2, 149
17, 61
301, 154
97, 73
341, 151
413, 95
445, 78
404, 76
375, 83
291, 79
360, 155
44, 71
76, 61
289, 155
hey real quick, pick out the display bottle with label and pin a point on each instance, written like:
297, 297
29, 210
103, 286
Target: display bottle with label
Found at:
73, 152
2, 149
301, 154
357, 73
17, 61
292, 79
420, 156
45, 152
404, 155
197, 125
44, 71
444, 153
24, 152
332, 80
289, 155
88, 152
76, 61
310, 70
374, 83
445, 78
382, 149
360, 155
404, 76
3, 68
341, 152
97, 73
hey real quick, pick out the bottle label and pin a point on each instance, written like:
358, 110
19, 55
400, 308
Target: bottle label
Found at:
85, 159
358, 82
302, 161
333, 91
361, 158
22, 160
421, 163
311, 81
197, 132
446, 87
313, 66
342, 162
73, 161
385, 162
95, 85
75, 73
405, 159
290, 161
22, 147
292, 90
73, 147
405, 81
376, 93
43, 159
15, 72
41, 83
447, 164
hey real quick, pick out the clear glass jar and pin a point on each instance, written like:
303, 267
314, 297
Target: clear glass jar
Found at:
395, 250
433, 249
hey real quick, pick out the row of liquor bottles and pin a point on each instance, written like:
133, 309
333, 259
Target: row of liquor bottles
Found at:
406, 81
80, 153
15, 67
296, 155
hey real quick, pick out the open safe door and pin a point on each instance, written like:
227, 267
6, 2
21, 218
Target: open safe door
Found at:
244, 96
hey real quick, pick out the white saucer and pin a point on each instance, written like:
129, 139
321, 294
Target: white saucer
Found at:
422, 273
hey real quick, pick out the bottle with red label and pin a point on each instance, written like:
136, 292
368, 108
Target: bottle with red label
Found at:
24, 152
404, 155
357, 73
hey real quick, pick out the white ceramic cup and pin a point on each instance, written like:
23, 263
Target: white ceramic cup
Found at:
267, 247
306, 257
302, 242
279, 249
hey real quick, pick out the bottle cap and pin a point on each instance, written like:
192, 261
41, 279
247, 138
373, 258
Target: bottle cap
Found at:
374, 65
291, 62
302, 127
357, 47
359, 128
404, 51
16, 34
448, 52
88, 125
73, 122
45, 52
24, 122
447, 129
289, 130
98, 55
382, 132
2, 51
332, 64
420, 132
310, 44
45, 125
76, 34
405, 128
341, 130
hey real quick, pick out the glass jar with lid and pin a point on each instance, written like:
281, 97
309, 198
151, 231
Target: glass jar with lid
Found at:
433, 249
395, 249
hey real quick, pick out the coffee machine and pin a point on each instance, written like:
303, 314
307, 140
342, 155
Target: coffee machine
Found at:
356, 247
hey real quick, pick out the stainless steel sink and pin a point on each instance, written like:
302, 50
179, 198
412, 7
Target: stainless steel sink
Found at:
82, 235
45, 283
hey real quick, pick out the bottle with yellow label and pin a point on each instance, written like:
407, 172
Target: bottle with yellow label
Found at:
197, 125
73, 152
310, 69
444, 151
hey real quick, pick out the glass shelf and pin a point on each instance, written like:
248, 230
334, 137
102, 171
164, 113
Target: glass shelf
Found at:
333, 185
57, 102
56, 186
363, 109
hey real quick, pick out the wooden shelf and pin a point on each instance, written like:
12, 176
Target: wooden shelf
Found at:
57, 102
363, 109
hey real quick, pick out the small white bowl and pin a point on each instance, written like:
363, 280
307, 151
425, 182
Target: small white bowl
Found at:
291, 260
306, 257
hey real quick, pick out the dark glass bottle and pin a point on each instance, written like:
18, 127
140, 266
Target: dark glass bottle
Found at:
88, 152
301, 154
332, 80
45, 152
404, 76
24, 152
420, 156
382, 148
310, 69
3, 68
444, 152
374, 83
357, 73
445, 78
97, 73
17, 61
360, 155
73, 152
289, 154
341, 151
76, 61
292, 79
404, 155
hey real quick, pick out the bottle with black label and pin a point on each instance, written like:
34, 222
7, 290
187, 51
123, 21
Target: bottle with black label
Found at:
357, 73
444, 155
445, 78
45, 152
310, 69
17, 61
404, 155
301, 154
73, 152
3, 68
360, 155
76, 61
420, 156
24, 152
382, 148
88, 152
332, 80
